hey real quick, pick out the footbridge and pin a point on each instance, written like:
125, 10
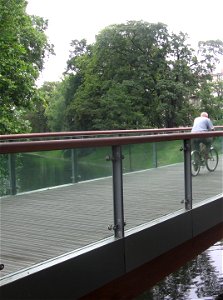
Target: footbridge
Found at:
127, 213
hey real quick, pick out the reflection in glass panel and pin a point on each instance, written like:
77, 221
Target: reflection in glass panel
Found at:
43, 169
150, 193
5, 185
207, 170
37, 170
169, 153
138, 157
92, 163
199, 278
41, 224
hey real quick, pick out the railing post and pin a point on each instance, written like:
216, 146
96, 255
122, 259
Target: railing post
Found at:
12, 175
130, 158
118, 191
74, 176
154, 156
222, 145
187, 174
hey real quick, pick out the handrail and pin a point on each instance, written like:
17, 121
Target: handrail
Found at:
95, 133
91, 133
46, 145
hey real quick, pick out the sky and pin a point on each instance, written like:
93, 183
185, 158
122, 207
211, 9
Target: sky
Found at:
84, 19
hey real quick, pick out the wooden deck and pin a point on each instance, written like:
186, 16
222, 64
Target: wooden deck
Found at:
41, 225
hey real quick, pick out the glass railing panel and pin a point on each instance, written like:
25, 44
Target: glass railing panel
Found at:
44, 169
138, 157
206, 180
169, 152
93, 163
4, 175
38, 170
26, 172
42, 224
154, 192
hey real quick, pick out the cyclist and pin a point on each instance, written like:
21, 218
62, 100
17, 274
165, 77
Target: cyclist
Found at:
202, 124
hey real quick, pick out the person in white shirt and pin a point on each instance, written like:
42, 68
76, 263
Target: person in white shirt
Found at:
202, 124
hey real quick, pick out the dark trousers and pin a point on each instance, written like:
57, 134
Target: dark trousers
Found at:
206, 141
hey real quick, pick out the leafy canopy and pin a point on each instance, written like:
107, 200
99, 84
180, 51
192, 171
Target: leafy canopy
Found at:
23, 48
138, 75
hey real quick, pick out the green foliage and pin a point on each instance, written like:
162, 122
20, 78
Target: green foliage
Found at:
36, 114
138, 75
211, 99
55, 108
23, 47
217, 112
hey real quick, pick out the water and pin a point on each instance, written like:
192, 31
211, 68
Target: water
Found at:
201, 278
36, 171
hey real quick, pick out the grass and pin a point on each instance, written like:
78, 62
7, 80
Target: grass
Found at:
136, 157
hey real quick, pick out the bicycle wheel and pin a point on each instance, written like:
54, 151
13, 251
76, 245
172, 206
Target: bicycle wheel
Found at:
195, 163
212, 160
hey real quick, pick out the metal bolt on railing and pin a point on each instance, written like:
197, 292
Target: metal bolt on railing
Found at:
112, 158
114, 227
1, 267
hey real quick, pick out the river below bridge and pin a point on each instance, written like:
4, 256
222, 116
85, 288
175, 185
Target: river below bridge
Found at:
201, 278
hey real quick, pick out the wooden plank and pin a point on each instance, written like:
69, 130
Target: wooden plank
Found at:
44, 224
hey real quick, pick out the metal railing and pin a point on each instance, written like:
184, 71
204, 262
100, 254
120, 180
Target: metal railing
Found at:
116, 143
69, 134
73, 134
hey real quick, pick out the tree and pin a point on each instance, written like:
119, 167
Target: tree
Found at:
211, 100
23, 48
55, 105
116, 78
138, 75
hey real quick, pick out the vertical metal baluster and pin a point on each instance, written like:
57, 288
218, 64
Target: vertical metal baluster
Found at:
12, 175
74, 165
118, 191
155, 164
187, 174
130, 158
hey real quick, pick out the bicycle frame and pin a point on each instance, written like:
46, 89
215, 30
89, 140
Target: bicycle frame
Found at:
203, 158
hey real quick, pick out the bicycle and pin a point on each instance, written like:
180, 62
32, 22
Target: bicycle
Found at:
202, 158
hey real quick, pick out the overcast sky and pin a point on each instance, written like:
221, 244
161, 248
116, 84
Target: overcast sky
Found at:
78, 19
